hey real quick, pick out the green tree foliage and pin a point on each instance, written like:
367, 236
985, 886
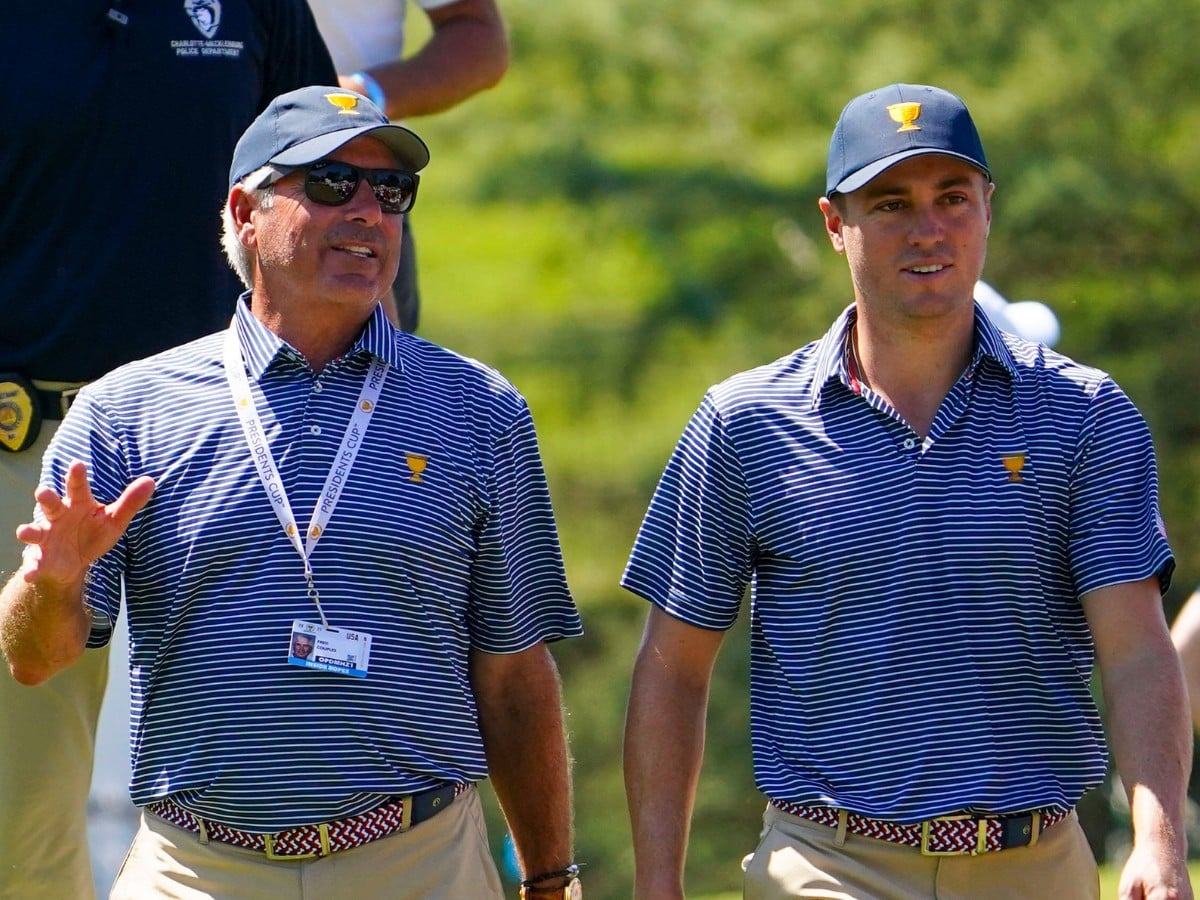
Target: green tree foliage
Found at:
631, 217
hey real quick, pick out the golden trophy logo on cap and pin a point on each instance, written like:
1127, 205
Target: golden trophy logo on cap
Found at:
906, 114
345, 103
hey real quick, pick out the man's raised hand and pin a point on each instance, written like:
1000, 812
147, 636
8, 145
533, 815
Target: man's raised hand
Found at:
77, 529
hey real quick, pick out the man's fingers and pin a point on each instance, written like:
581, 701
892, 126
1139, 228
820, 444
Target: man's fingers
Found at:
76, 492
78, 497
78, 489
132, 499
86, 514
51, 504
31, 533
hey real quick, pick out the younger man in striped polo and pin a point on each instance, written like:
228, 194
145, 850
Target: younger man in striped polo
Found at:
313, 471
944, 527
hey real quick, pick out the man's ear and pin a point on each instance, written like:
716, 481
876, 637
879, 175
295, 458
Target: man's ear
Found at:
833, 223
991, 189
241, 205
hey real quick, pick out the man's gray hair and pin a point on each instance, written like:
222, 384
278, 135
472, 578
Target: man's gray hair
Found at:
238, 254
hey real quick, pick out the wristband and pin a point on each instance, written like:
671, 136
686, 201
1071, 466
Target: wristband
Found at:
571, 871
372, 89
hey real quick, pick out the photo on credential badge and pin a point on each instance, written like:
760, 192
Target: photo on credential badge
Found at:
328, 649
302, 645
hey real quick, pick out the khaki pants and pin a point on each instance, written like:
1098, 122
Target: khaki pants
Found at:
799, 858
443, 858
47, 737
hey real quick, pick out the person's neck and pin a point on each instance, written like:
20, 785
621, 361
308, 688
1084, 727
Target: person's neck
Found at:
913, 369
320, 333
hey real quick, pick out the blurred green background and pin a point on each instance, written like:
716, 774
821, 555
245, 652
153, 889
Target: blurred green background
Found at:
631, 216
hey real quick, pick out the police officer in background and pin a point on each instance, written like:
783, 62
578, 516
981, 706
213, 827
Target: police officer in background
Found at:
113, 167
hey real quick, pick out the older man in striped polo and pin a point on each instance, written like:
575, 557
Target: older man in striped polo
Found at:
944, 527
313, 471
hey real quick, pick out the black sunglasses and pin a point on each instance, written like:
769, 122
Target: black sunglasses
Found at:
332, 183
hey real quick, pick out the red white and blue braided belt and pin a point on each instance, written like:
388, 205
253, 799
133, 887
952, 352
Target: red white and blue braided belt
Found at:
311, 841
944, 836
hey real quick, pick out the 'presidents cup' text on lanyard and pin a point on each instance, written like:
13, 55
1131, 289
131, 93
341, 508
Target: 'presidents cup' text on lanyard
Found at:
335, 650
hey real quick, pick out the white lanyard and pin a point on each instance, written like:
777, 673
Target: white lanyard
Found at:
268, 472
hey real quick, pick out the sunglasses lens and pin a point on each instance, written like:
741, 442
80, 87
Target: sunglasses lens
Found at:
331, 183
395, 190
334, 183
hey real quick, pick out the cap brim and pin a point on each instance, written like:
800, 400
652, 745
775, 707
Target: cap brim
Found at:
867, 173
410, 151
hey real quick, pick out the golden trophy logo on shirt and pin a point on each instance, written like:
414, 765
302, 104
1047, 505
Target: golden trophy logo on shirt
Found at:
416, 464
1014, 462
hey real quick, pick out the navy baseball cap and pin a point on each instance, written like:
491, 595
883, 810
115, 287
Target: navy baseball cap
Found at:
892, 124
308, 124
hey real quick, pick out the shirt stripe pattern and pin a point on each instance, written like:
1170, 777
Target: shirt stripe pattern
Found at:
443, 542
918, 644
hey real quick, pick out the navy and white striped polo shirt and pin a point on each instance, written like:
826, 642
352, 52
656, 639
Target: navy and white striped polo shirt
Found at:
918, 645
465, 557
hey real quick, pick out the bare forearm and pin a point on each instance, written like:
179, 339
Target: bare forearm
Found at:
1185, 634
1191, 672
664, 746
520, 712
464, 56
1151, 740
1148, 730
43, 627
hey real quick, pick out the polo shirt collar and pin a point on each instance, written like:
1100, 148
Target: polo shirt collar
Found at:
989, 343
260, 346
830, 358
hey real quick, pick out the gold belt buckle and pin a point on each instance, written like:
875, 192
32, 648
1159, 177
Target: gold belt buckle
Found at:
980, 838
269, 846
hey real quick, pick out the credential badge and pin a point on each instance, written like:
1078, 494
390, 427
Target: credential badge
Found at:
205, 15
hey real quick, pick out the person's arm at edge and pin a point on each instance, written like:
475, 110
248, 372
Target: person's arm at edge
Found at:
664, 747
44, 624
1148, 731
467, 53
1185, 634
521, 718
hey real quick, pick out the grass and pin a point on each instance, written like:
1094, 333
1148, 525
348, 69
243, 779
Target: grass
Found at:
1109, 876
